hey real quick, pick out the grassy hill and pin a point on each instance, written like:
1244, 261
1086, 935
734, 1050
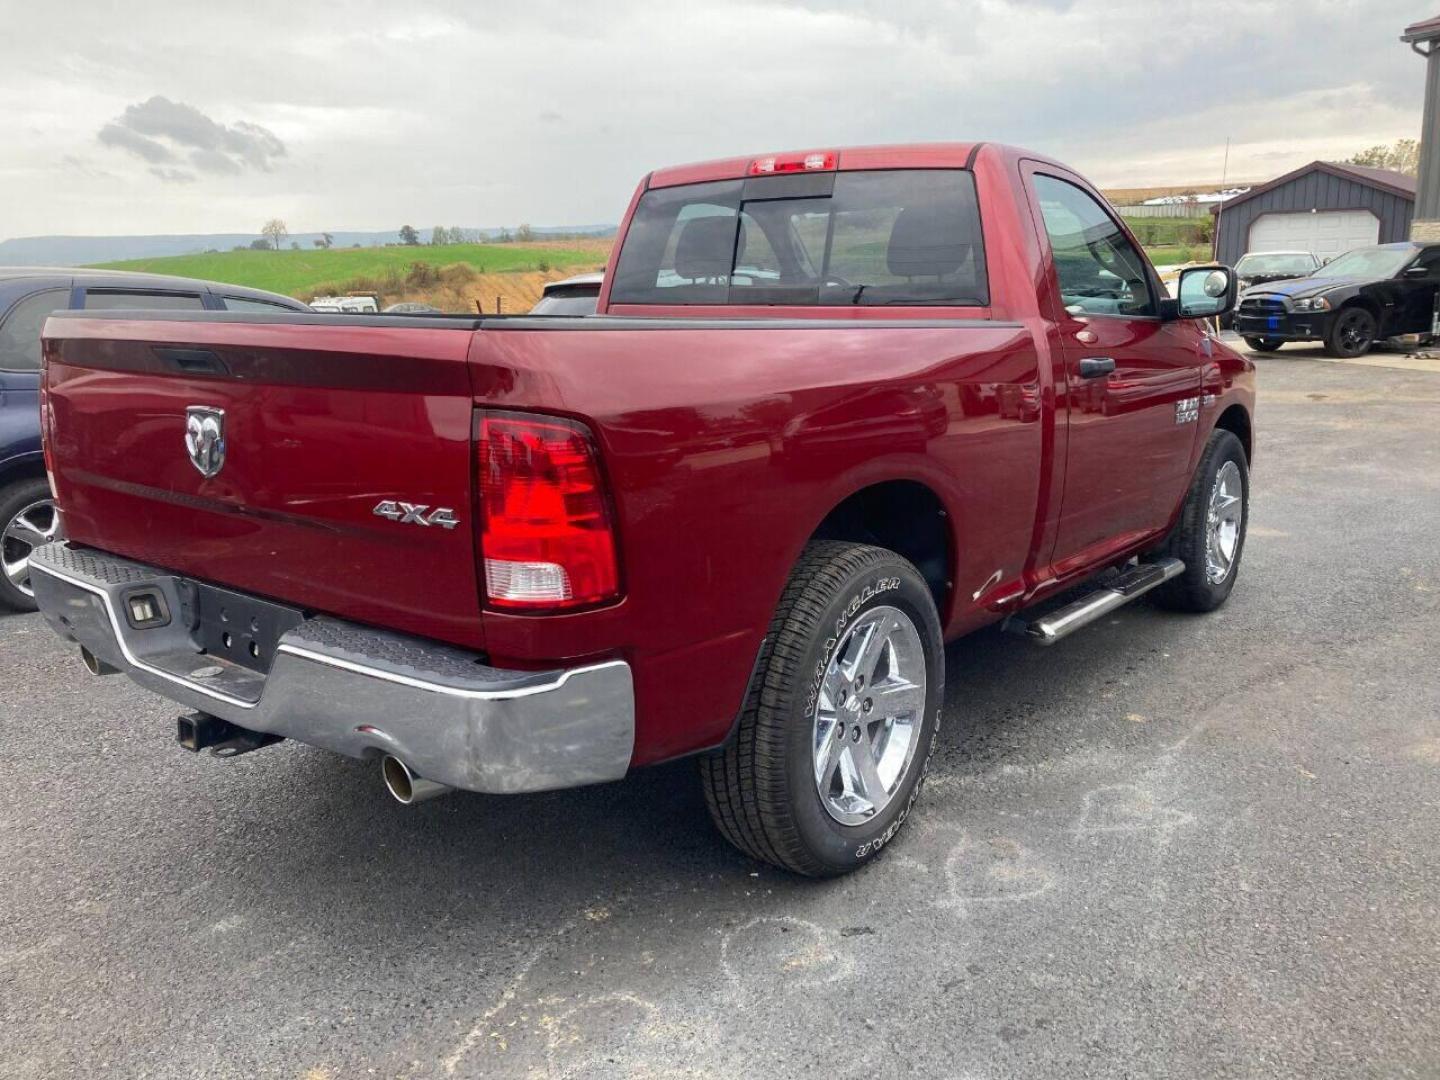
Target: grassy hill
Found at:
509, 277
305, 274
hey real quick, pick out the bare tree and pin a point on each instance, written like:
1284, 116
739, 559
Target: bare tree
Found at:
524, 234
457, 235
1403, 156
438, 236
275, 231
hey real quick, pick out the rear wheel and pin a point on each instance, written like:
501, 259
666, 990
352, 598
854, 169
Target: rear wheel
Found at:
28, 520
835, 739
1210, 535
1352, 332
1264, 344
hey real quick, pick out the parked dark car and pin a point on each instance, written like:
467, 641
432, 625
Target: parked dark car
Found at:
570, 296
27, 296
1364, 296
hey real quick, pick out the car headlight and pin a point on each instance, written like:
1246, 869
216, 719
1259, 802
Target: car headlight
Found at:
1311, 303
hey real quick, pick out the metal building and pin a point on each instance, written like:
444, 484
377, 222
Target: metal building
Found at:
1325, 207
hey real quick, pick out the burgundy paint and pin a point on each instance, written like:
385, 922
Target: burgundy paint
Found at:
725, 448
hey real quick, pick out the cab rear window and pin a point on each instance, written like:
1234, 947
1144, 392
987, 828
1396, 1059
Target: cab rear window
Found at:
888, 237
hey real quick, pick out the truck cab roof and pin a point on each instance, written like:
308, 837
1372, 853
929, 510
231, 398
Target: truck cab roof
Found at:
937, 155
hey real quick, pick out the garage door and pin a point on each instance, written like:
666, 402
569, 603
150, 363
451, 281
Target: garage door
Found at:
1326, 232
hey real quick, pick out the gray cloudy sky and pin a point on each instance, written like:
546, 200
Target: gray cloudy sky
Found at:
150, 117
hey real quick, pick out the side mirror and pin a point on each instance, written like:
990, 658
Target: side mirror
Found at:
1204, 292
1416, 272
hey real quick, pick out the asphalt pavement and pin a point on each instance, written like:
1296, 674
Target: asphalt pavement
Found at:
1169, 846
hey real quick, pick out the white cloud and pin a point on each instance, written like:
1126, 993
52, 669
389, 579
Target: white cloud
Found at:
550, 111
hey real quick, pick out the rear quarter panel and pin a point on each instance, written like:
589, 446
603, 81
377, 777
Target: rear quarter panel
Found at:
726, 446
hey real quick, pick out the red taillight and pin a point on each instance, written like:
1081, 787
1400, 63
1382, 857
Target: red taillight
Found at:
788, 163
547, 538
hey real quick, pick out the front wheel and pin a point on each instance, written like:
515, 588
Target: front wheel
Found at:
1352, 332
1210, 535
835, 739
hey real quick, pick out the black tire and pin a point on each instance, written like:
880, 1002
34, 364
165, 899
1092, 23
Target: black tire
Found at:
15, 500
1193, 590
1264, 344
1351, 334
761, 788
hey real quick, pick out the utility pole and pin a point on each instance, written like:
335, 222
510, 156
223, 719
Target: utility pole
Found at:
1220, 206
1424, 38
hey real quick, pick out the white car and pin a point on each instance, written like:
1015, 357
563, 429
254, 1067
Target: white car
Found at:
345, 305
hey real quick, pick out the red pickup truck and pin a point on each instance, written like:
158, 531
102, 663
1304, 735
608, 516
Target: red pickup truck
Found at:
835, 409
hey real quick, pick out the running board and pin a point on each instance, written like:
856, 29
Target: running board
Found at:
1132, 583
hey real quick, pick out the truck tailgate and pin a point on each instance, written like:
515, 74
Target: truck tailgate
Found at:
315, 439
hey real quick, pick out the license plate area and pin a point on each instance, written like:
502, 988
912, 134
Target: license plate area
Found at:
241, 628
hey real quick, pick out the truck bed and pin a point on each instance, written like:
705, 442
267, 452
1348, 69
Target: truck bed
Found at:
725, 442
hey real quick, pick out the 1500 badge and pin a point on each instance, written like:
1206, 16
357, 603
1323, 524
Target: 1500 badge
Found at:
416, 514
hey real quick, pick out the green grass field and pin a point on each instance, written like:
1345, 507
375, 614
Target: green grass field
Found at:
296, 272
301, 273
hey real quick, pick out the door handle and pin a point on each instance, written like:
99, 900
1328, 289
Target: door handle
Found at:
1092, 367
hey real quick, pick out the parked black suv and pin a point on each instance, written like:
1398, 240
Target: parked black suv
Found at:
1364, 296
27, 295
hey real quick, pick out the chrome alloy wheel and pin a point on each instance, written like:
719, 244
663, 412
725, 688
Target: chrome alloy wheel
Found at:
1222, 523
34, 526
868, 715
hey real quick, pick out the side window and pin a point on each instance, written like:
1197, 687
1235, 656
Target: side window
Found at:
1430, 259
244, 303
116, 299
20, 332
1100, 270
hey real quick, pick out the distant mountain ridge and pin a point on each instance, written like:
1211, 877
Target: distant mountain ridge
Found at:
86, 250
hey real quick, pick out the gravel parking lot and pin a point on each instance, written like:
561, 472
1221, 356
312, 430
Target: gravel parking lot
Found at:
1168, 846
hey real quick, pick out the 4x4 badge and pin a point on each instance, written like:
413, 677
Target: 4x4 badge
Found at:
415, 514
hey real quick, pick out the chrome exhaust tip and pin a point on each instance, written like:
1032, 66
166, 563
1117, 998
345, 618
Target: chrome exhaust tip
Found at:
408, 788
95, 665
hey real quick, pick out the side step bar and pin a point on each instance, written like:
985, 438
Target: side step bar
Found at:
1132, 583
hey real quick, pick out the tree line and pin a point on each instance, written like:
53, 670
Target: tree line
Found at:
274, 233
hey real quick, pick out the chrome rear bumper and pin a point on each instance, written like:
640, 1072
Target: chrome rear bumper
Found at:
352, 689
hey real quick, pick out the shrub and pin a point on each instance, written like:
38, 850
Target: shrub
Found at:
422, 275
